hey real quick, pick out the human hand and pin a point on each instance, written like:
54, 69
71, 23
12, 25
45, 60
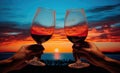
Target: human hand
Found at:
29, 51
96, 57
17, 61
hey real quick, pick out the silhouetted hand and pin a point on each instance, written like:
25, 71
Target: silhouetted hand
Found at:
18, 60
97, 58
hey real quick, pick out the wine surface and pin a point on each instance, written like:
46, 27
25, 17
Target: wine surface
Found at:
76, 39
40, 38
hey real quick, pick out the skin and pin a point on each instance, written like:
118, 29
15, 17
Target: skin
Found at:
17, 61
96, 57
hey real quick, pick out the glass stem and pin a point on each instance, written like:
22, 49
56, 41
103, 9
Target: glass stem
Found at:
39, 43
78, 60
77, 57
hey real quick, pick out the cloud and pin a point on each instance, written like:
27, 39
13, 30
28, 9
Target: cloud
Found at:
115, 31
104, 14
9, 9
109, 20
115, 18
11, 12
7, 26
9, 32
5, 9
104, 8
109, 33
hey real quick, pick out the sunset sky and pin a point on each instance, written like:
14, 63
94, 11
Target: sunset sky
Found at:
16, 18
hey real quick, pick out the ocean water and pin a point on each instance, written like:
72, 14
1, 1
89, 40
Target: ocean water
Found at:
57, 56
45, 56
58, 59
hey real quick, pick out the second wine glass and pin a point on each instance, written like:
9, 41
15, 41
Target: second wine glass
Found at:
76, 30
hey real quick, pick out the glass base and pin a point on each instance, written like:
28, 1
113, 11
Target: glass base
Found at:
79, 65
35, 62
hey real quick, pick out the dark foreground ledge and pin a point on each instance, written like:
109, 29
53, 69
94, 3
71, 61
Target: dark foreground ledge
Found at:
59, 69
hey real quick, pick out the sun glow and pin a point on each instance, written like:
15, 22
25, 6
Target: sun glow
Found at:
56, 54
56, 50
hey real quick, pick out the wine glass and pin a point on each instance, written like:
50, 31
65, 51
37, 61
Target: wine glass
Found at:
76, 29
43, 25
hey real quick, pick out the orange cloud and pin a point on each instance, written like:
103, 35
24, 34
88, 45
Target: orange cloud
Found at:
80, 30
60, 41
35, 29
108, 46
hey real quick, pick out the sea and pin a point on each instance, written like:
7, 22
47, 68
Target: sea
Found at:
58, 56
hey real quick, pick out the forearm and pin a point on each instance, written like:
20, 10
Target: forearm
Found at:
111, 65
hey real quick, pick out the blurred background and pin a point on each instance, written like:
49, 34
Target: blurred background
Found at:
103, 20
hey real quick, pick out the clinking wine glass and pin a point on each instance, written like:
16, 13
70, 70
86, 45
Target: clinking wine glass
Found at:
43, 25
76, 29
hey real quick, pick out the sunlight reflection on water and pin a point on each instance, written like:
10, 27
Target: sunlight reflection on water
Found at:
57, 56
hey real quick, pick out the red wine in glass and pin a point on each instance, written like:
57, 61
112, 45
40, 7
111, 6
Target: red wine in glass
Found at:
40, 38
76, 39
76, 29
43, 27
